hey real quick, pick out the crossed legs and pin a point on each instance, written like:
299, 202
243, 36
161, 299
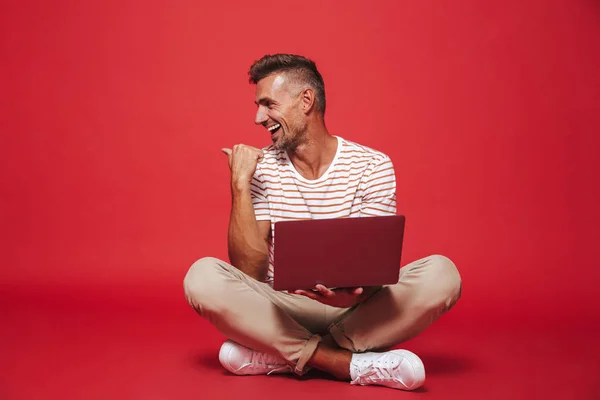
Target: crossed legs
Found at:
309, 334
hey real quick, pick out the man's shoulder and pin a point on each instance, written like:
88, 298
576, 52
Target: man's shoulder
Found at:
357, 150
270, 150
271, 157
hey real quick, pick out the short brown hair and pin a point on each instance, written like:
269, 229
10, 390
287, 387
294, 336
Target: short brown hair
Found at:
302, 68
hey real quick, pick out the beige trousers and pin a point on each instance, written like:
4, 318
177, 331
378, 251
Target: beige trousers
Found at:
251, 313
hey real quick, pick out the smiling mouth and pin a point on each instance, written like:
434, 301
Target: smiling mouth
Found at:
274, 128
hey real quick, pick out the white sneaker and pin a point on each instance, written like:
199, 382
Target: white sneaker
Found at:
241, 360
398, 369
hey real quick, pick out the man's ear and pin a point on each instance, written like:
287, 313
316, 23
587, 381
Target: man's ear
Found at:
308, 100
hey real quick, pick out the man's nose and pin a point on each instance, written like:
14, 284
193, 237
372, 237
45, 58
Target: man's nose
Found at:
261, 116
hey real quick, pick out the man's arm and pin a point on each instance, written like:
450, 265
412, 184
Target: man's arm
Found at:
247, 238
379, 198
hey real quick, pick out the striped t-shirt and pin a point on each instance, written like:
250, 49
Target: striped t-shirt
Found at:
360, 182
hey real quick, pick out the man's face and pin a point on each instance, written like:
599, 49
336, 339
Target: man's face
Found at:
280, 111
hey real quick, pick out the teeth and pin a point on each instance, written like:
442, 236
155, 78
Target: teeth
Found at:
272, 128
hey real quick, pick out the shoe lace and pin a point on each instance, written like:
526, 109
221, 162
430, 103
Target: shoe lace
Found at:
267, 360
378, 370
285, 368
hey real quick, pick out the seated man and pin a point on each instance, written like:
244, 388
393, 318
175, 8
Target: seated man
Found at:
308, 173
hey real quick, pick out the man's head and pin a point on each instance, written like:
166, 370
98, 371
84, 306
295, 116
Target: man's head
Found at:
290, 95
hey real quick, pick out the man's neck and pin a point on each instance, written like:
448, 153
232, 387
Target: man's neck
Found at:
313, 157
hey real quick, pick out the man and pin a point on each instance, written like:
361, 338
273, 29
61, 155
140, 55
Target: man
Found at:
308, 173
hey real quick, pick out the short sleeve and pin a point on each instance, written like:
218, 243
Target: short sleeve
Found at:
379, 193
258, 193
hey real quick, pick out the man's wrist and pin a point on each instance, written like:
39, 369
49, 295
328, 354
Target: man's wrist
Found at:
239, 186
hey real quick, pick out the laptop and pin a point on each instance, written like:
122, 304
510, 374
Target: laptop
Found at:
337, 253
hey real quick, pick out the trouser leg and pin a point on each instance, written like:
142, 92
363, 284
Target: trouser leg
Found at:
426, 289
253, 314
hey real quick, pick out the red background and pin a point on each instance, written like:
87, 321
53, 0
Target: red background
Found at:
113, 114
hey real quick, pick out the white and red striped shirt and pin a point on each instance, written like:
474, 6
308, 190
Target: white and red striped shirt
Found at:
360, 182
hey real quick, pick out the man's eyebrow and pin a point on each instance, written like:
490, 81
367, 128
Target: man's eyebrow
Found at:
263, 100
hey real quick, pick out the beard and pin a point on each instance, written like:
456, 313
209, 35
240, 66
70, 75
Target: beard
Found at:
290, 140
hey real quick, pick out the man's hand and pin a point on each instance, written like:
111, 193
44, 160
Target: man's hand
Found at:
242, 162
343, 297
